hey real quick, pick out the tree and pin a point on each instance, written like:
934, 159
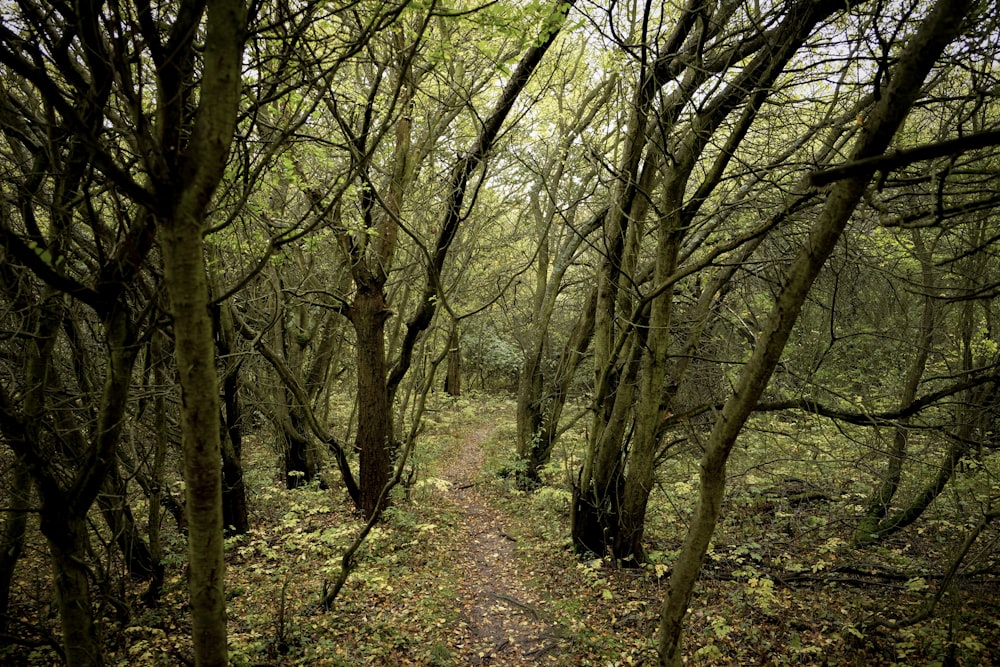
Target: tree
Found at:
101, 108
660, 245
384, 160
937, 31
561, 187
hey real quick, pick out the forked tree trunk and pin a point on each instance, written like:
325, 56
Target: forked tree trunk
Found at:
540, 405
118, 515
970, 413
882, 495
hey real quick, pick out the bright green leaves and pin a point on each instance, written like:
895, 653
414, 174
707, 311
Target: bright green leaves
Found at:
46, 255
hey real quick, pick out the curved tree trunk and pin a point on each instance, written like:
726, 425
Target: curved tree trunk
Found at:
970, 412
908, 75
118, 515
67, 537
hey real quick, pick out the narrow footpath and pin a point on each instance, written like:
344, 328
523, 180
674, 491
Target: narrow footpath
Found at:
506, 620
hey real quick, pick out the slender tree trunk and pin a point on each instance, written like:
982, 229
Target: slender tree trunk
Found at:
235, 516
539, 404
908, 75
569, 361
649, 413
62, 521
12, 540
594, 521
881, 497
161, 440
193, 173
187, 286
118, 516
530, 417
969, 420
597, 498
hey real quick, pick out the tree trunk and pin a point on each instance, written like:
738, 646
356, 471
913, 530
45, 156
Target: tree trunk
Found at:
649, 413
594, 521
902, 90
615, 372
66, 533
185, 189
161, 440
12, 540
300, 455
187, 286
369, 314
969, 417
881, 497
530, 418
235, 515
540, 405
453, 379
118, 516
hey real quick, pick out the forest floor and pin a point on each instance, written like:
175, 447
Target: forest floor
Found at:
503, 615
466, 569
469, 570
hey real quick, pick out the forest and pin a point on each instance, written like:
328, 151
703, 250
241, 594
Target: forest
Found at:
499, 332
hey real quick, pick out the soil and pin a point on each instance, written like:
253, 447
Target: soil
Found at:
505, 619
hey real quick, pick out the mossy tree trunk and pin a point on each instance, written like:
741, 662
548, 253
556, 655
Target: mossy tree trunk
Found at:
194, 144
897, 98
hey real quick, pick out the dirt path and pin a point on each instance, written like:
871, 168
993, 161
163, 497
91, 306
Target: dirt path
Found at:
504, 618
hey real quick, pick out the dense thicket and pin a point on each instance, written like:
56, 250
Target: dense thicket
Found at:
660, 227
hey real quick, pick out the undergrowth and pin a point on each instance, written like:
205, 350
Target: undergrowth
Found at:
782, 584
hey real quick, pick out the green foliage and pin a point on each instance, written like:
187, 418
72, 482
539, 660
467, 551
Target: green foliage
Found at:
492, 357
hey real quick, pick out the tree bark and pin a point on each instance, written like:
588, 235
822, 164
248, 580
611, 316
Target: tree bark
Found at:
187, 286
66, 533
369, 314
12, 540
195, 172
